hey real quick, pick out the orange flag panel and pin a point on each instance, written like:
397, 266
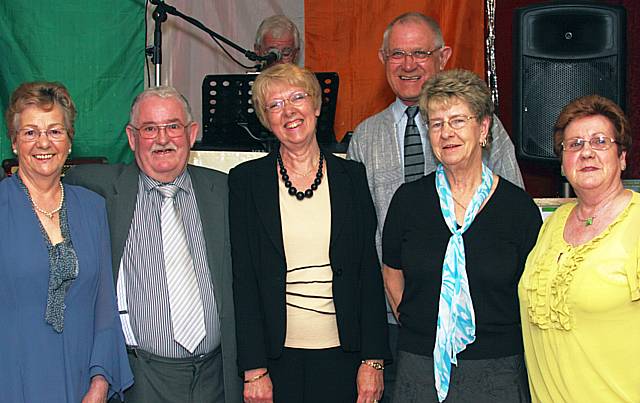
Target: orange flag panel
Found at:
345, 36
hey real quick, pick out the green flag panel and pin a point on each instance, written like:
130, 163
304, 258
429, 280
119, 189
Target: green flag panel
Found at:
94, 48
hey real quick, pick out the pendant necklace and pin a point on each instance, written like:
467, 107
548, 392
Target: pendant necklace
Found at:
589, 220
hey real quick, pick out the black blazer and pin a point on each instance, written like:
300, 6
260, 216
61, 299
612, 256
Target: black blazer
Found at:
259, 266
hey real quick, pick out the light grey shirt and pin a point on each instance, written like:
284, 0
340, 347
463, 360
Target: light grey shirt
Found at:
399, 109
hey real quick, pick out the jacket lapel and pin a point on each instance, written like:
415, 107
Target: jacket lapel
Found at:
265, 195
212, 212
122, 205
339, 193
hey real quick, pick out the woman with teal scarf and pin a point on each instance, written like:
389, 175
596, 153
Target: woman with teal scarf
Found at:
454, 247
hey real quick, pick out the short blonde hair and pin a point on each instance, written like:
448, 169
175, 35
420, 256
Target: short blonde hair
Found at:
44, 95
458, 84
288, 74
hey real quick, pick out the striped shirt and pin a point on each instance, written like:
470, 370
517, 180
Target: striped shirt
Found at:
145, 278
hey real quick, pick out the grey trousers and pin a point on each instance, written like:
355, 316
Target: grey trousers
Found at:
166, 380
502, 380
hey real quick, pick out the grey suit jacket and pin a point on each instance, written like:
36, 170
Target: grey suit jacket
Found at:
118, 184
375, 144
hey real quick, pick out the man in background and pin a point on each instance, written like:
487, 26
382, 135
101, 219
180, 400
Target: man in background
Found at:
394, 145
280, 35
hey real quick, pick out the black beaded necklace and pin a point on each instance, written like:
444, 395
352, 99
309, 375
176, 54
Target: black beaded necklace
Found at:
292, 189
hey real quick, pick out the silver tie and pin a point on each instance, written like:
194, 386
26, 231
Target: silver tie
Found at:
185, 302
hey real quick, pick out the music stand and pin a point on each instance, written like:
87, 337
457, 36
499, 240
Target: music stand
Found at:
229, 121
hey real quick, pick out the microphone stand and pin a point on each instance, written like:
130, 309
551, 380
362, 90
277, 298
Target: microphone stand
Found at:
160, 15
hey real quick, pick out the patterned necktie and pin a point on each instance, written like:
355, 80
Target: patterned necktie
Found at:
185, 302
413, 154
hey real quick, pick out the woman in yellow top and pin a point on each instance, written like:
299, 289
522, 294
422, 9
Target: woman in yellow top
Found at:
580, 292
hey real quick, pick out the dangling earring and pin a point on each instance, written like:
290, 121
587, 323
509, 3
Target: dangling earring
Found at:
483, 143
15, 151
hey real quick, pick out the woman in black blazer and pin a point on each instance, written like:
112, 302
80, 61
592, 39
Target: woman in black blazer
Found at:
309, 299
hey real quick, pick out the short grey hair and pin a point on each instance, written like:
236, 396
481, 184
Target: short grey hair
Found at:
462, 85
278, 25
413, 16
164, 92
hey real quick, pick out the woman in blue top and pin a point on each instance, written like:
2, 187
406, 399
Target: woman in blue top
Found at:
61, 339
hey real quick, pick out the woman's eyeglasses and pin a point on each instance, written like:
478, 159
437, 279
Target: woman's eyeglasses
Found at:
31, 134
597, 142
456, 123
276, 105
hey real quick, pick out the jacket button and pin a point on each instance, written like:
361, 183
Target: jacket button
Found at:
339, 272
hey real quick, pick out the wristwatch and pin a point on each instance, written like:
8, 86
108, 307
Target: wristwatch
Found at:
374, 364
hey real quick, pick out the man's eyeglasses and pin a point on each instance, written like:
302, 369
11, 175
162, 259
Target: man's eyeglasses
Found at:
276, 105
285, 52
598, 142
151, 131
398, 55
30, 134
456, 123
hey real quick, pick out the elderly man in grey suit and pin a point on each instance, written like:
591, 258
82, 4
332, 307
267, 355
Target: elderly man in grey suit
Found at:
171, 257
394, 145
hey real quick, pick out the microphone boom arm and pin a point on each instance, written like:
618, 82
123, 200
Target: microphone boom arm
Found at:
160, 15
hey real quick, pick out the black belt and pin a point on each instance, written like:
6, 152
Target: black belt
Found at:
139, 353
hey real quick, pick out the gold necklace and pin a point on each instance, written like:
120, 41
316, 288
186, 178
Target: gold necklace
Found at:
50, 214
304, 175
458, 203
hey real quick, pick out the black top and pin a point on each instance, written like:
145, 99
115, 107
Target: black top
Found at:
497, 243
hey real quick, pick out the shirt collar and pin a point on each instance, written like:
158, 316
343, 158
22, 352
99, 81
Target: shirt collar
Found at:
398, 109
183, 181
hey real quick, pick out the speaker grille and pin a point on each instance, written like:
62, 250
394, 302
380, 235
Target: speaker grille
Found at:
544, 98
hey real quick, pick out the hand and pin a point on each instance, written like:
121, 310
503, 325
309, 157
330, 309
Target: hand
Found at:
370, 384
259, 391
98, 390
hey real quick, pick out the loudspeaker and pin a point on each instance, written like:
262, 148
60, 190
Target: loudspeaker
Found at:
562, 51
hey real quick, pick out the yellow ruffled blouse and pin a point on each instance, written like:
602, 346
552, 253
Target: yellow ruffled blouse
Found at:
580, 311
